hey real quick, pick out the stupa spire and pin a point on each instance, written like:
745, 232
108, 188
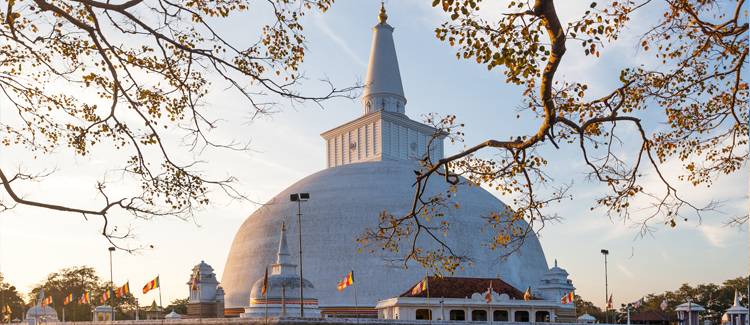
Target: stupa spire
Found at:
736, 299
383, 88
284, 262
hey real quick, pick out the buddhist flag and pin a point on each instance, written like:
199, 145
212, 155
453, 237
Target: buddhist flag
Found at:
527, 295
151, 285
122, 291
346, 281
68, 299
194, 281
105, 296
488, 294
567, 298
85, 298
420, 287
264, 290
47, 301
609, 301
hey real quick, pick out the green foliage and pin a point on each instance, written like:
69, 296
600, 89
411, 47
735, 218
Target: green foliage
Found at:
715, 298
587, 307
12, 298
178, 305
74, 280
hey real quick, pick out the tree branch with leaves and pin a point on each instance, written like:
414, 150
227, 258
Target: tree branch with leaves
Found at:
696, 87
123, 75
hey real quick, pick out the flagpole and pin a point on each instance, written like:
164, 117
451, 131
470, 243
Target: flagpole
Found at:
429, 308
356, 305
158, 280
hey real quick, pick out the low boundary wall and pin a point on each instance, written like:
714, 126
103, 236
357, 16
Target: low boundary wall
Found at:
295, 321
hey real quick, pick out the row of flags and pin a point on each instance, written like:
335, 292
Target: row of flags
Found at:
346, 282
638, 303
635, 304
86, 296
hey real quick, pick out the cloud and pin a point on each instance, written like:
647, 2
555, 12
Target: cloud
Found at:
625, 271
323, 26
715, 235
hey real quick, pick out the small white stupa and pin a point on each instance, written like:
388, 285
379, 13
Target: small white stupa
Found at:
41, 314
173, 315
586, 319
737, 314
282, 293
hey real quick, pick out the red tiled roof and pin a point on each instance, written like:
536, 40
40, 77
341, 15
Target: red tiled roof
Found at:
652, 315
457, 287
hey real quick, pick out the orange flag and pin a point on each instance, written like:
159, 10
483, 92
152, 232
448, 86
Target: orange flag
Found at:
346, 281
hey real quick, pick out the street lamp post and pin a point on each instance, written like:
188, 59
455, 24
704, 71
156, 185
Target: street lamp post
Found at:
111, 285
606, 287
299, 198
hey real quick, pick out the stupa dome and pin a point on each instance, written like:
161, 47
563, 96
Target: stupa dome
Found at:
44, 314
344, 201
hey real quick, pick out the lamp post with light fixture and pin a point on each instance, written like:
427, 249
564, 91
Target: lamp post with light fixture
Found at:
605, 252
299, 198
111, 285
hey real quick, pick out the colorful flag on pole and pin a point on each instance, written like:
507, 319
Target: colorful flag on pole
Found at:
194, 281
47, 301
105, 296
420, 287
122, 291
664, 305
85, 298
609, 302
567, 298
637, 304
68, 299
346, 281
151, 285
488, 294
527, 295
264, 290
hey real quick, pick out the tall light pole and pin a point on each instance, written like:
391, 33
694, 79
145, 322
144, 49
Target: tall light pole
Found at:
606, 287
111, 285
299, 198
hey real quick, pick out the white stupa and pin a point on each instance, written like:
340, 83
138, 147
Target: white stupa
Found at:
40, 314
371, 162
282, 297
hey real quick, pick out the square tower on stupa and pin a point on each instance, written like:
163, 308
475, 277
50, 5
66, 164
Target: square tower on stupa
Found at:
383, 132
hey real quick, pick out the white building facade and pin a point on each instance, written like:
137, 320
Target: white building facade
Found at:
477, 299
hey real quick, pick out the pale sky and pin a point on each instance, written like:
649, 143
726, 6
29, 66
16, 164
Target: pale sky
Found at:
287, 147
